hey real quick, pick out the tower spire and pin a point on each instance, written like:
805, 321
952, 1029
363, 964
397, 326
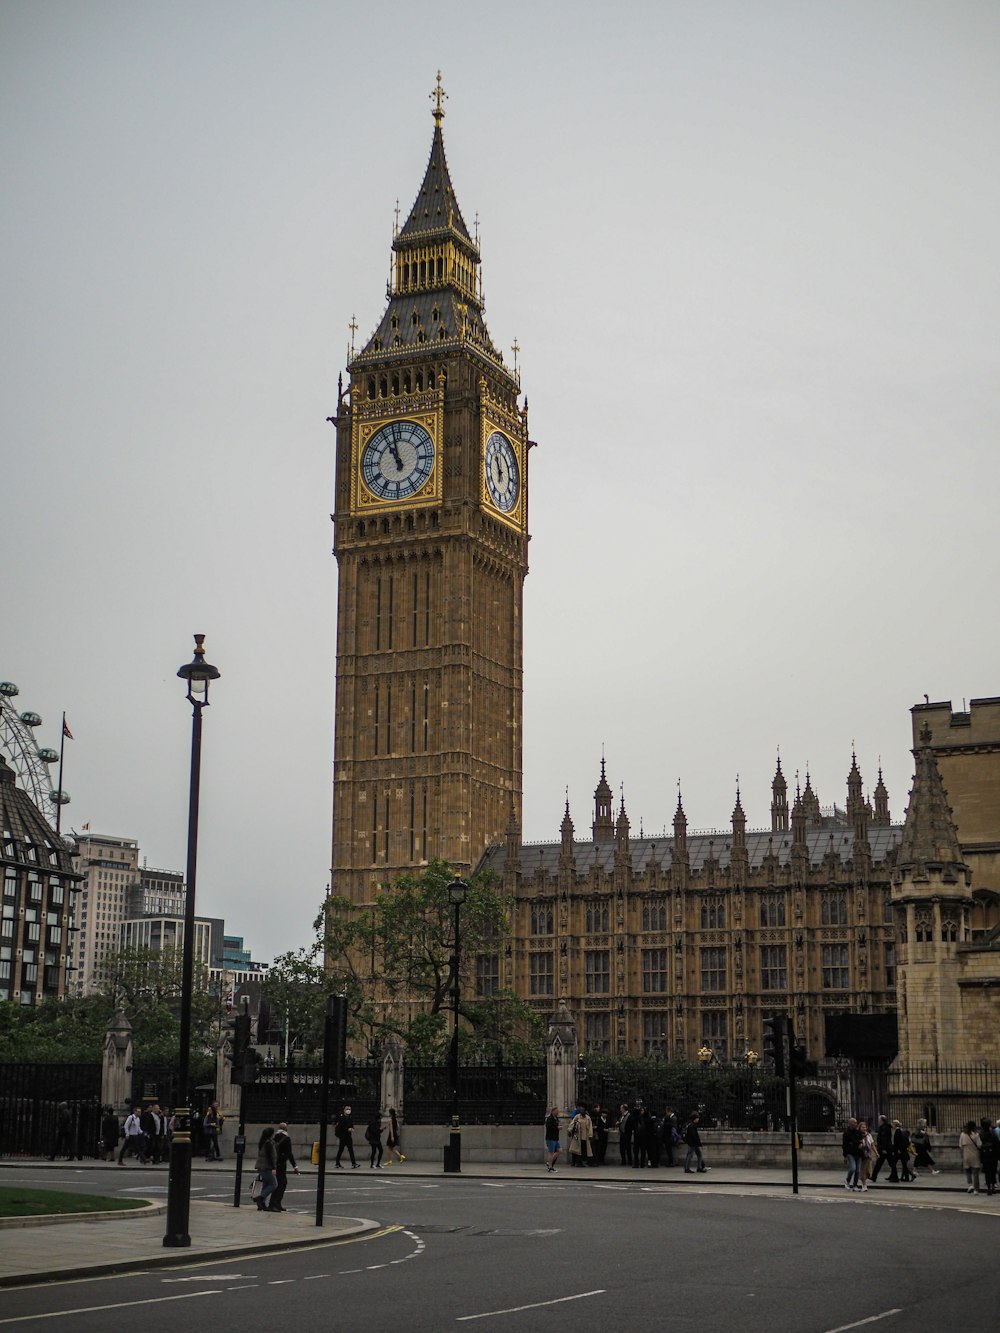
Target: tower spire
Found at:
437, 97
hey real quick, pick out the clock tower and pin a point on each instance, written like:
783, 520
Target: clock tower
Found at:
431, 540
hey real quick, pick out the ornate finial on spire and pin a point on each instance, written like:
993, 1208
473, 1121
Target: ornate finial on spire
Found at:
475, 228
395, 227
438, 96
353, 326
515, 347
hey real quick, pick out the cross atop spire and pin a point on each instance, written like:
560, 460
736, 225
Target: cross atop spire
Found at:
438, 96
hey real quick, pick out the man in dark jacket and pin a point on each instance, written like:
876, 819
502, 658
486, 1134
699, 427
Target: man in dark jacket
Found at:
693, 1140
901, 1147
626, 1132
669, 1134
285, 1158
851, 1147
344, 1130
600, 1119
886, 1153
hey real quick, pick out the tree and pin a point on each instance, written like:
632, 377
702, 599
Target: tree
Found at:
295, 987
146, 984
394, 961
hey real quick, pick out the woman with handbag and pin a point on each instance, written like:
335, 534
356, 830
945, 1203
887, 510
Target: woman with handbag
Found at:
267, 1166
969, 1144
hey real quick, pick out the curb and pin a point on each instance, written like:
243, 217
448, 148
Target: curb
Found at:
149, 1209
181, 1258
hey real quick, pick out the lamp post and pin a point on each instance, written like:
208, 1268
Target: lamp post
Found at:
197, 673
458, 891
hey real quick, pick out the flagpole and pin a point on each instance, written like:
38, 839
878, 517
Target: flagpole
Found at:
62, 749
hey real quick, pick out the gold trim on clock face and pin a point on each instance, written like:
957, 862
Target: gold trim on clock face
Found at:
503, 472
396, 462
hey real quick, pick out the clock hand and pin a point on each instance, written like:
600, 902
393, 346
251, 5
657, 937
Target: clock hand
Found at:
395, 453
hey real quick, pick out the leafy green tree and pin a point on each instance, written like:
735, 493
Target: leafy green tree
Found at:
146, 984
395, 963
296, 986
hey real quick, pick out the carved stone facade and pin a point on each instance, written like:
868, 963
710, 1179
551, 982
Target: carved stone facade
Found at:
663, 945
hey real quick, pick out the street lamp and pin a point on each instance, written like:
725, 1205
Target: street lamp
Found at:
458, 891
706, 1055
197, 673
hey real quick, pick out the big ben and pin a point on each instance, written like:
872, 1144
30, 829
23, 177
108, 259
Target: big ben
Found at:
431, 540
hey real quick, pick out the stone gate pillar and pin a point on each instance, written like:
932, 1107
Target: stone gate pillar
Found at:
562, 1052
116, 1065
392, 1075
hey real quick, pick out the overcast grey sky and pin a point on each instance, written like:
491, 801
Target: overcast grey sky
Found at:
750, 253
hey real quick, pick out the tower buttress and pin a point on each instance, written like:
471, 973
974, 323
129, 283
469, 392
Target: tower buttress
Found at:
779, 801
604, 825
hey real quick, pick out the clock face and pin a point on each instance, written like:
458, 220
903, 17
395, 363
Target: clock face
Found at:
397, 460
502, 480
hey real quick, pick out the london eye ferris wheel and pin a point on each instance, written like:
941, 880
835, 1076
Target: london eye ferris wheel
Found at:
29, 760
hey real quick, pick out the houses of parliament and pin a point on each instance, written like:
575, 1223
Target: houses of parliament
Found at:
659, 945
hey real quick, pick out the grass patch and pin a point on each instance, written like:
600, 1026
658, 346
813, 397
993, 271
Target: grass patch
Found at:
18, 1202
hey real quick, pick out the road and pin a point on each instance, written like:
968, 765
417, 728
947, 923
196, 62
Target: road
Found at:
555, 1254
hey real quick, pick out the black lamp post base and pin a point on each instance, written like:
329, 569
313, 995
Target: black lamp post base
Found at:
177, 1234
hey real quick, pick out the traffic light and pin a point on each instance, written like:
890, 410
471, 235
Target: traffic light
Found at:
774, 1042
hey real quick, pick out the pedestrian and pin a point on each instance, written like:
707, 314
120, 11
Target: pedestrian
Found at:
868, 1152
600, 1122
212, 1125
373, 1134
552, 1144
669, 1135
989, 1153
851, 1146
134, 1142
580, 1134
392, 1143
344, 1130
283, 1159
901, 1147
626, 1134
921, 1140
693, 1140
111, 1132
640, 1139
969, 1145
267, 1168
64, 1133
883, 1143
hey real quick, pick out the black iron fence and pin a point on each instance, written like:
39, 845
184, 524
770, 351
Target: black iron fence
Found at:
292, 1093
494, 1094
725, 1096
946, 1096
30, 1095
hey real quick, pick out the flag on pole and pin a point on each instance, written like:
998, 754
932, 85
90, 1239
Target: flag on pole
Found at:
85, 827
66, 731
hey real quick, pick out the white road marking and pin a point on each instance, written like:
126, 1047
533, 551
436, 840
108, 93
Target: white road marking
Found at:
119, 1305
516, 1309
872, 1319
211, 1277
315, 1277
280, 1281
245, 1287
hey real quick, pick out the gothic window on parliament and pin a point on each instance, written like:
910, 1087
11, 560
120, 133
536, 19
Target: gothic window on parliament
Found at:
890, 965
541, 920
597, 1033
772, 909
949, 929
713, 913
833, 909
654, 916
713, 969
836, 967
541, 973
713, 1033
655, 969
773, 967
487, 974
598, 918
654, 1038
597, 972
887, 909
922, 930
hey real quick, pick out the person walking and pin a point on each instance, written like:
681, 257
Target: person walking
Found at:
111, 1132
64, 1133
883, 1142
901, 1147
693, 1140
283, 1159
969, 1145
921, 1140
344, 1130
392, 1143
267, 1168
669, 1135
989, 1153
552, 1144
868, 1152
373, 1135
851, 1148
212, 1125
600, 1122
134, 1142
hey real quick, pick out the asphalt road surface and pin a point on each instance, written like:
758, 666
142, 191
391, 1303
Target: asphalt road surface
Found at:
555, 1254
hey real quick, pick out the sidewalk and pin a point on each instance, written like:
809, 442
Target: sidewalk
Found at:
117, 1242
